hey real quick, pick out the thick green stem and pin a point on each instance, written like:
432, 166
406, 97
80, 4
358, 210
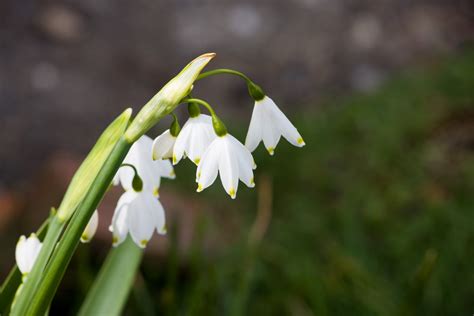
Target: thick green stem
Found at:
112, 286
65, 250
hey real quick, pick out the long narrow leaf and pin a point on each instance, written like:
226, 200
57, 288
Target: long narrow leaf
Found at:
112, 286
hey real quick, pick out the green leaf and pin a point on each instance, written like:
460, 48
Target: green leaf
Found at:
87, 172
112, 286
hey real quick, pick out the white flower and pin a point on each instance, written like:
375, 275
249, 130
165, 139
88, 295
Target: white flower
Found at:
91, 228
163, 146
233, 161
26, 252
137, 213
194, 138
149, 171
268, 123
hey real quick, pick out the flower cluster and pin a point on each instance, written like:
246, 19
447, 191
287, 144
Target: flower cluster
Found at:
203, 139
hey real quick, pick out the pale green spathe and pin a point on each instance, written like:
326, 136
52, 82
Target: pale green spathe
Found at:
167, 98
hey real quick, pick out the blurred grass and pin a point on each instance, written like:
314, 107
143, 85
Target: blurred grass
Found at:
373, 217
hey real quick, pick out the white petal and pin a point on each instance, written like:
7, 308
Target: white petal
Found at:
162, 147
179, 146
254, 134
91, 228
26, 252
207, 170
245, 166
228, 167
119, 227
286, 128
270, 132
141, 219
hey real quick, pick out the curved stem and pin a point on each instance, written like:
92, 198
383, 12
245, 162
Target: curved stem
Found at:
201, 102
131, 166
223, 71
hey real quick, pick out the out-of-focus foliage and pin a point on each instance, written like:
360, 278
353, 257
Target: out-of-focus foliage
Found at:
375, 216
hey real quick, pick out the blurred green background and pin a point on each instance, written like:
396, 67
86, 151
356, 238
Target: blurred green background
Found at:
373, 217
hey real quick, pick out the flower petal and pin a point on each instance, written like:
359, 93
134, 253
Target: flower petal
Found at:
254, 134
228, 167
91, 228
286, 128
207, 170
162, 147
141, 219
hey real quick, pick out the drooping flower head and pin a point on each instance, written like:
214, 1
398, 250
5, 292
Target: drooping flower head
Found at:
232, 160
151, 172
26, 252
137, 213
268, 124
194, 138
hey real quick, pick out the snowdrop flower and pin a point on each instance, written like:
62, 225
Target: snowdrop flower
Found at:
163, 146
194, 138
137, 213
151, 172
26, 252
268, 123
231, 159
91, 228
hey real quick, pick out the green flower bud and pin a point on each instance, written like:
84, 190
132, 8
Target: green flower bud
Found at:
137, 183
175, 128
219, 127
166, 100
255, 91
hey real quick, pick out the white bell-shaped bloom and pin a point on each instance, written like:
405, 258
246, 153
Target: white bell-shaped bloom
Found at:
150, 171
137, 213
26, 252
163, 146
194, 138
268, 123
233, 161
91, 228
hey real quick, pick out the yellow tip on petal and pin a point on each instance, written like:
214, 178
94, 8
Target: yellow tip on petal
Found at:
84, 238
172, 173
232, 193
156, 192
252, 182
199, 188
164, 230
271, 150
143, 243
175, 160
300, 141
114, 240
197, 160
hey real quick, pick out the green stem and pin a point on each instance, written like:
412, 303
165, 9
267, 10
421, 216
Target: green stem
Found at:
13, 280
223, 71
112, 286
65, 250
203, 103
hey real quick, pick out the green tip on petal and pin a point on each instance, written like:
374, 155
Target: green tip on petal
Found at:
175, 160
156, 192
232, 193
84, 238
114, 240
197, 160
271, 150
143, 243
